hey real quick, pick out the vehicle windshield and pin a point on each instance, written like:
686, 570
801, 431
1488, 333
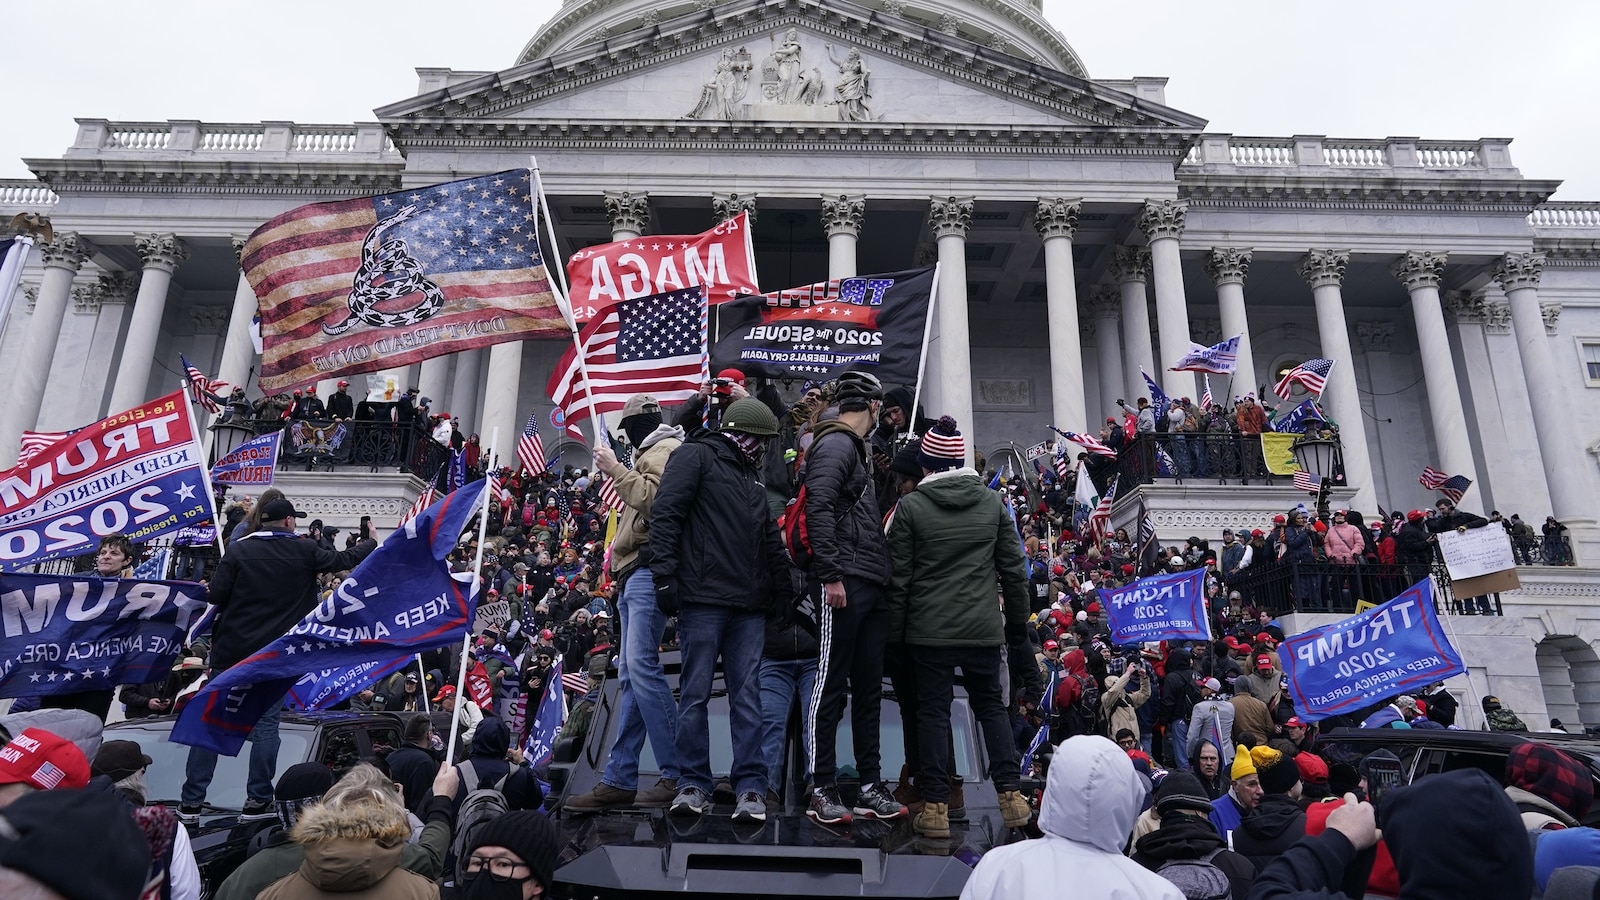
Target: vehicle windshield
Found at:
167, 761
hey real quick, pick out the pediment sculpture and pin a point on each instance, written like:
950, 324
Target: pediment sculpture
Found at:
786, 88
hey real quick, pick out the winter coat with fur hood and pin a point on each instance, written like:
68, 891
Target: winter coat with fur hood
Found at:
352, 853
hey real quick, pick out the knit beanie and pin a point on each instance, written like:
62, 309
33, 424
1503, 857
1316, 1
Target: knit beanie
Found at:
1279, 775
1180, 791
529, 835
1242, 763
905, 463
44, 834
942, 447
301, 785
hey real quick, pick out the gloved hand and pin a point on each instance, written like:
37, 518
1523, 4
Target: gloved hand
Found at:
1024, 668
667, 595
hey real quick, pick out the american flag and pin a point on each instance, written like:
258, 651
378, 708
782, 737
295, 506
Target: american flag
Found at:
502, 494
1219, 359
424, 501
530, 447
466, 250
1432, 478
1310, 482
1062, 466
1100, 519
203, 390
654, 345
34, 441
1205, 397
609, 498
1452, 486
1093, 445
1311, 375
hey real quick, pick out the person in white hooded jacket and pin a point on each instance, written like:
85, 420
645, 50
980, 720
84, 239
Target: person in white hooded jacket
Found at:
1091, 798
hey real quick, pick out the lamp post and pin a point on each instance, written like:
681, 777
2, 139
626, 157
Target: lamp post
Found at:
1317, 454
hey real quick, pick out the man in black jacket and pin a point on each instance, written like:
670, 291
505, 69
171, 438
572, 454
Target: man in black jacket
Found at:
340, 404
719, 565
264, 585
1186, 835
849, 580
414, 764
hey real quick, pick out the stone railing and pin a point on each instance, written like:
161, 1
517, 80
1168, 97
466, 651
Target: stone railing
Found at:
1314, 152
223, 140
25, 194
1566, 214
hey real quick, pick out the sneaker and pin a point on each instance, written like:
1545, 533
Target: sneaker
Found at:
825, 807
257, 811
190, 815
752, 808
661, 794
691, 801
604, 796
933, 821
1014, 809
876, 803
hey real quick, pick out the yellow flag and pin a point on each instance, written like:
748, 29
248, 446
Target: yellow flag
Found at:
611, 526
1275, 449
1364, 605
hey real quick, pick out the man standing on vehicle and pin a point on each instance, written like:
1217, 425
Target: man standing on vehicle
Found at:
952, 538
718, 564
850, 572
644, 701
264, 585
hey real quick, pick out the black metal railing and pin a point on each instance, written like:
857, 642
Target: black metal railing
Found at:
1542, 551
325, 444
1324, 587
182, 563
1224, 458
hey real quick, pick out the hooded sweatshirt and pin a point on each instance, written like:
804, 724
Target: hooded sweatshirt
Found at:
488, 757
637, 488
1091, 799
352, 852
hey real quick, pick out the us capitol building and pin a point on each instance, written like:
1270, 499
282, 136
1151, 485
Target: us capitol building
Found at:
1085, 231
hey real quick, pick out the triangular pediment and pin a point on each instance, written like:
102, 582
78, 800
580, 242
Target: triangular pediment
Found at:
766, 62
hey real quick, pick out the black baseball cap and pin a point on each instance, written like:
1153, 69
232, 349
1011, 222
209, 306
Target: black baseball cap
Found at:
274, 510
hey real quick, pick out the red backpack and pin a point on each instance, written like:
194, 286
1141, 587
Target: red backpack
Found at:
792, 527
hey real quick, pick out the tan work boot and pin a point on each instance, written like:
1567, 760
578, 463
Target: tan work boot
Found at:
933, 821
906, 792
958, 799
660, 794
1014, 809
604, 796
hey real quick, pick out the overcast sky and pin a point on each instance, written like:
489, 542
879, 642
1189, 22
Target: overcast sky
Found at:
1460, 70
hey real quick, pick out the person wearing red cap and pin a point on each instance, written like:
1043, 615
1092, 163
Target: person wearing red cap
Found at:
37, 760
467, 712
1264, 681
340, 404
1412, 548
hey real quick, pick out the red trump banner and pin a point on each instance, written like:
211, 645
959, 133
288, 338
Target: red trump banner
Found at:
720, 260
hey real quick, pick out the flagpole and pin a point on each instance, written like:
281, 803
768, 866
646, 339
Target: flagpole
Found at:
563, 303
477, 591
422, 680
922, 361
205, 475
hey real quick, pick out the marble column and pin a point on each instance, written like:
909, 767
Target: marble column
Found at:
1391, 445
238, 351
1056, 218
161, 254
1162, 223
1228, 267
1105, 303
500, 398
465, 389
949, 219
1559, 449
62, 259
727, 205
1505, 476
1130, 266
628, 212
1420, 272
842, 216
116, 292
1323, 270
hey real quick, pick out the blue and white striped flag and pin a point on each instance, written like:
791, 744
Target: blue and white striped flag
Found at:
1218, 359
1034, 745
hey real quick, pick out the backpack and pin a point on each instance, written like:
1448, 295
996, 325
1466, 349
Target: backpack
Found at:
481, 806
1198, 879
1082, 716
792, 526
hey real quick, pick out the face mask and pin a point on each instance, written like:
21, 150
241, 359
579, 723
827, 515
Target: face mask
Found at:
483, 886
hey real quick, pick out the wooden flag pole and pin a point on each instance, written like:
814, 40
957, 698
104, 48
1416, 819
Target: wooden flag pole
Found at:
596, 422
477, 590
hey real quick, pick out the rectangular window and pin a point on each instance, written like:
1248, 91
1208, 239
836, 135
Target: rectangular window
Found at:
1589, 353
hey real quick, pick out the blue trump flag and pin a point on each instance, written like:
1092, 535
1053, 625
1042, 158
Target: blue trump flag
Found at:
1169, 607
252, 462
325, 688
1369, 657
547, 719
63, 634
401, 600
1294, 421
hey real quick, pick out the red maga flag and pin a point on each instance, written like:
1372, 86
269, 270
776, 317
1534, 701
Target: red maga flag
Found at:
377, 282
721, 260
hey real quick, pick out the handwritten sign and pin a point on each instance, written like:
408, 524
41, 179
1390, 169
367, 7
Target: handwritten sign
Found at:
1037, 450
1477, 551
492, 615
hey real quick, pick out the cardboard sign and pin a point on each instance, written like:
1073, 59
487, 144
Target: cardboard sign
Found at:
1037, 450
1476, 551
492, 615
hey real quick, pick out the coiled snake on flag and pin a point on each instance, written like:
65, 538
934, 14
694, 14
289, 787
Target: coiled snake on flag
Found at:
388, 272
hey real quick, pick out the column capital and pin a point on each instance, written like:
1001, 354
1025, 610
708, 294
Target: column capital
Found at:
950, 216
1519, 270
1105, 302
628, 211
1464, 307
161, 251
843, 214
1055, 217
209, 319
118, 287
1130, 264
1419, 269
1163, 218
1497, 318
68, 251
238, 242
1321, 268
1551, 311
727, 205
30, 293
1227, 265
1375, 335
949, 24
86, 298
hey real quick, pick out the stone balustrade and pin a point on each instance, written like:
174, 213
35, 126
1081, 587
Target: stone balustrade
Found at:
100, 137
1566, 214
1315, 154
25, 195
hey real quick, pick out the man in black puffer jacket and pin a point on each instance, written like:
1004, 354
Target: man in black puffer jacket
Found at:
1178, 696
1277, 821
1187, 835
719, 565
849, 582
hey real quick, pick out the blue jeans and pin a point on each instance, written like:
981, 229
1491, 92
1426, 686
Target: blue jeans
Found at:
264, 743
645, 706
704, 633
782, 682
1179, 733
